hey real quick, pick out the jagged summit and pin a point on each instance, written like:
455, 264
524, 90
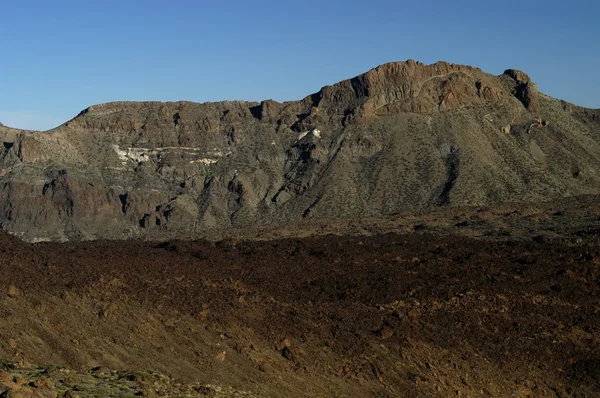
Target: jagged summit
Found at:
401, 136
392, 88
395, 87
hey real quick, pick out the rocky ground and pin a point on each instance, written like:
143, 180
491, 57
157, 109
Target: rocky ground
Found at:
422, 310
571, 220
17, 380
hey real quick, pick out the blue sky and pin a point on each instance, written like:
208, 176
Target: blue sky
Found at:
58, 57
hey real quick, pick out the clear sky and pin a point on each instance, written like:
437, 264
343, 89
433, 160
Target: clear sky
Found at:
58, 57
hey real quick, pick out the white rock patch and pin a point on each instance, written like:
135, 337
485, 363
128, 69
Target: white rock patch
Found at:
143, 154
121, 154
205, 161
301, 135
135, 154
314, 132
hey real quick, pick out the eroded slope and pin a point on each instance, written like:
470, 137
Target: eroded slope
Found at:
402, 136
385, 316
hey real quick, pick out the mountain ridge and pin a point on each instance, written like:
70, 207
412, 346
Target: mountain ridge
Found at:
362, 81
401, 136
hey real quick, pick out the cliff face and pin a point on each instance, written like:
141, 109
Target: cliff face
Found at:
401, 136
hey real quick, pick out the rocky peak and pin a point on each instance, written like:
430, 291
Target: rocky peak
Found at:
267, 110
524, 89
391, 88
409, 87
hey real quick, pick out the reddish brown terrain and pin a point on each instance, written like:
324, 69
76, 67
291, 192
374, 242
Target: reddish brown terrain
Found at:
414, 231
416, 314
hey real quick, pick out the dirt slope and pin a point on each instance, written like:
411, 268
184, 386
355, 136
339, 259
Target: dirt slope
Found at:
375, 316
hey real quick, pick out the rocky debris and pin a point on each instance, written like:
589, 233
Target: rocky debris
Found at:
385, 332
14, 291
46, 382
366, 146
222, 356
354, 310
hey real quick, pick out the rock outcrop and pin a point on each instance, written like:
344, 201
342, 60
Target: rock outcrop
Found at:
525, 90
402, 136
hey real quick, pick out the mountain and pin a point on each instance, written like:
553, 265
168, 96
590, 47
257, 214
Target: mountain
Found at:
401, 137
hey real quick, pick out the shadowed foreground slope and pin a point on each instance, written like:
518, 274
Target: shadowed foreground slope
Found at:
379, 316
